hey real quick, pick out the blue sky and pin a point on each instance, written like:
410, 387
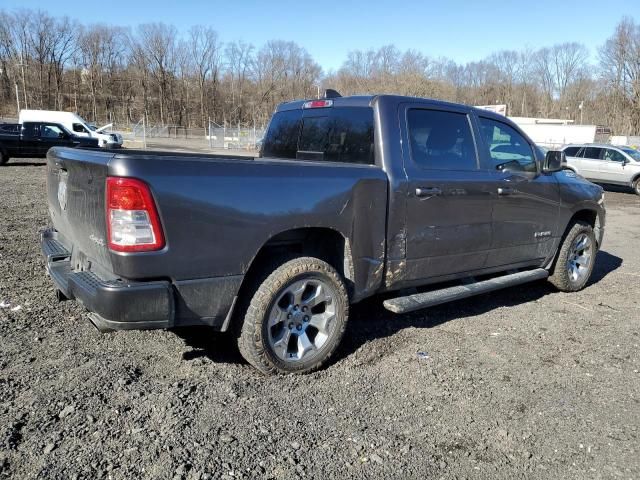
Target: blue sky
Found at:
462, 30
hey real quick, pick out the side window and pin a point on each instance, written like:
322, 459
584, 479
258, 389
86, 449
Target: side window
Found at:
613, 155
79, 128
51, 131
507, 148
571, 151
441, 140
592, 153
343, 134
281, 140
30, 130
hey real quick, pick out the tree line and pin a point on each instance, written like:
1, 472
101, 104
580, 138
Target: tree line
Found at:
116, 74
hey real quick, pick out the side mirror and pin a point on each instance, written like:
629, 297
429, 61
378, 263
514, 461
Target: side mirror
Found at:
554, 161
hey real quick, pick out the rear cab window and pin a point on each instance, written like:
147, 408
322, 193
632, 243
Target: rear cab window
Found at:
331, 134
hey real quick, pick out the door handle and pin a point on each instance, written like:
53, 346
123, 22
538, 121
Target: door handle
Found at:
505, 190
427, 192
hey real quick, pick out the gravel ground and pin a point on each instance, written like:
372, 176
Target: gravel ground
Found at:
523, 383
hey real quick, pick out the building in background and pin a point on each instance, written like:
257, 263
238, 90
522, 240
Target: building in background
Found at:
555, 132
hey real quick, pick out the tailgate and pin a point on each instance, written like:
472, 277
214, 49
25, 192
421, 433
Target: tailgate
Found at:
76, 196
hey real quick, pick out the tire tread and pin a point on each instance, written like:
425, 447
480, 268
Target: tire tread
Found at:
250, 339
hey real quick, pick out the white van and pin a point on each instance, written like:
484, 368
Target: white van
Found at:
74, 123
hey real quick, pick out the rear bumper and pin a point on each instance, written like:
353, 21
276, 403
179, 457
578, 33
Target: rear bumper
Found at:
126, 305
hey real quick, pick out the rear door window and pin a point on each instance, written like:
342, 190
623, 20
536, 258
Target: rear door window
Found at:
441, 140
336, 134
592, 153
571, 151
30, 130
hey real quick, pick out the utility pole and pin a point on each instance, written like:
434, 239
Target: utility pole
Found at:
581, 108
18, 98
24, 82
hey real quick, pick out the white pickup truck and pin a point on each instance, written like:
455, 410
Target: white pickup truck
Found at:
74, 123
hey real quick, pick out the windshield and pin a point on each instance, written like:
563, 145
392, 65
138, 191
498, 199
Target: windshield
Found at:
633, 153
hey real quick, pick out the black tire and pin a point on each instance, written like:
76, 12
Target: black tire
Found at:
4, 158
636, 186
561, 273
255, 336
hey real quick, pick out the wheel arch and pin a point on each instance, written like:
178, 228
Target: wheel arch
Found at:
324, 243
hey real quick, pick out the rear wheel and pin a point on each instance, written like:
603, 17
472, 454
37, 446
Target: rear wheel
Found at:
296, 318
576, 258
636, 186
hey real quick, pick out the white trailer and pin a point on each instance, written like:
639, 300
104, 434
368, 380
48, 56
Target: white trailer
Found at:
554, 133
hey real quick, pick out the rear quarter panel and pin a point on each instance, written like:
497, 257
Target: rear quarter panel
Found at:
218, 213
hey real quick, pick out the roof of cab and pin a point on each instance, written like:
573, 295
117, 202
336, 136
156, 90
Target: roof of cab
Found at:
370, 100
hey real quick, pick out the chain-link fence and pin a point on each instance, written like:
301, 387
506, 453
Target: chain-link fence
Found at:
214, 137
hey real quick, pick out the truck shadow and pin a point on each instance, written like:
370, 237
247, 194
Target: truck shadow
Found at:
370, 321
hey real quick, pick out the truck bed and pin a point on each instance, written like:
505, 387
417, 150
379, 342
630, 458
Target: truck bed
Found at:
216, 212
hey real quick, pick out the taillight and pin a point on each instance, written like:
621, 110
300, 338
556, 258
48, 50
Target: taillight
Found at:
133, 224
318, 104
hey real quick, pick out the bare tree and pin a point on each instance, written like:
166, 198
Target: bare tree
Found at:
157, 47
620, 66
204, 50
117, 74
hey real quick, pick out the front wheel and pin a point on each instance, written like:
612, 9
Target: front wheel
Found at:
576, 258
296, 318
4, 158
636, 186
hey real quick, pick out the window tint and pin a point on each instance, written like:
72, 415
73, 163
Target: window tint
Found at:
344, 135
51, 131
613, 155
30, 130
633, 153
282, 137
571, 151
441, 140
340, 134
507, 148
592, 153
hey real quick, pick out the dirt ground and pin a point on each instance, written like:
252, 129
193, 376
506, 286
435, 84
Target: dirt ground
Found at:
522, 383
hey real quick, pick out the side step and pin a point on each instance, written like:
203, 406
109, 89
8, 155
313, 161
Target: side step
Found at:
444, 295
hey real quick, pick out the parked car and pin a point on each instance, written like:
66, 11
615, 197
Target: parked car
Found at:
74, 123
36, 138
352, 197
603, 163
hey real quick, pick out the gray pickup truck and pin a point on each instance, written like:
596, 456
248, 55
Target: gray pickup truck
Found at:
351, 197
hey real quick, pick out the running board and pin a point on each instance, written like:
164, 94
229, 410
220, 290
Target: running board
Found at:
444, 295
